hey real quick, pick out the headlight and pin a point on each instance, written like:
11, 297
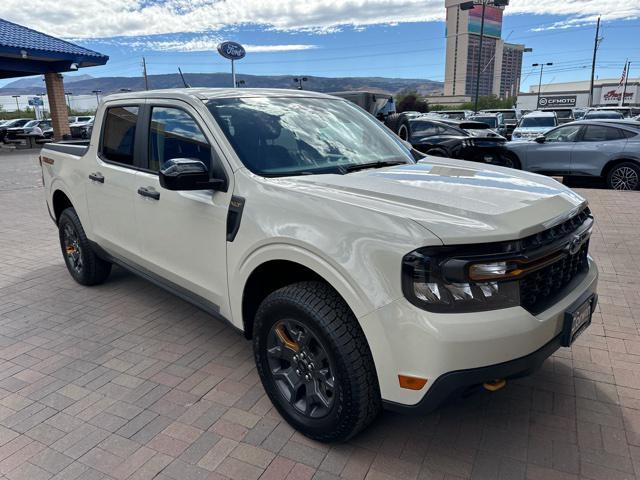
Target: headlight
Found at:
436, 282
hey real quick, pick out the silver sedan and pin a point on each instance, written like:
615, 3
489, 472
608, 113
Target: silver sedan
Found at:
597, 148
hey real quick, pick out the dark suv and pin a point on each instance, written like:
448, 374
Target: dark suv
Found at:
511, 118
16, 122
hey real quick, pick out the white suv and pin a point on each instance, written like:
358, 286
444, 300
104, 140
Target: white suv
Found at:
364, 278
534, 124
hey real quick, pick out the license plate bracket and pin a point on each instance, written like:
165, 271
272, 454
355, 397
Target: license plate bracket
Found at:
577, 318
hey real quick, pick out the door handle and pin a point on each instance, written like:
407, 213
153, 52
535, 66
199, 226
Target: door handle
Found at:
96, 177
149, 192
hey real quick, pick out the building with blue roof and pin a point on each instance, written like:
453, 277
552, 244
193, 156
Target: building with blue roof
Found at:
25, 52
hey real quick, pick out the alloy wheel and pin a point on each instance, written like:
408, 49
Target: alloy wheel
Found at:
71, 245
624, 178
301, 368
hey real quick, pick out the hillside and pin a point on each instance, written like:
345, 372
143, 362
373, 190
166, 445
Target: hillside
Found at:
320, 84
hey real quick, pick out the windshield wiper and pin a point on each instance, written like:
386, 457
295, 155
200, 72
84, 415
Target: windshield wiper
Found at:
378, 164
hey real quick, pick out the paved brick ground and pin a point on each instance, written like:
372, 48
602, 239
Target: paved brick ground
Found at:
125, 381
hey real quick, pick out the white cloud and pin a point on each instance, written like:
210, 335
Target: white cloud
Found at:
208, 43
109, 18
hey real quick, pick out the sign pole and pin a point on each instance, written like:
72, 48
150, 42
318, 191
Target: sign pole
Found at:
232, 51
233, 72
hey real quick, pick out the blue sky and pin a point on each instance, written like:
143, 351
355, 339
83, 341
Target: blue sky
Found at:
333, 38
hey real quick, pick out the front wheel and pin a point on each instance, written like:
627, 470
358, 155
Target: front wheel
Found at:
83, 264
624, 176
315, 363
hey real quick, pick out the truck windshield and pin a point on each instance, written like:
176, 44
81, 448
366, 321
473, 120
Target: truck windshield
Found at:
276, 136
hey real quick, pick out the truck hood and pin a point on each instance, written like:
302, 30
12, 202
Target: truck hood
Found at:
458, 201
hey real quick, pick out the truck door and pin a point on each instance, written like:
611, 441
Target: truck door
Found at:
111, 182
182, 233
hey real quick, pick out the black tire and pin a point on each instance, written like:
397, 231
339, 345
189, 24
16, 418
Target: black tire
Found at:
316, 309
392, 121
404, 129
624, 176
510, 160
83, 264
438, 152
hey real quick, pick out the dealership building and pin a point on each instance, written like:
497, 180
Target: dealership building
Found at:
606, 93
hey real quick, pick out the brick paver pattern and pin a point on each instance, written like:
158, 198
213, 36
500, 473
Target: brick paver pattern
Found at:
126, 381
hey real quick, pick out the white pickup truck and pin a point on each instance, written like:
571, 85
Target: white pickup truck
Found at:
365, 274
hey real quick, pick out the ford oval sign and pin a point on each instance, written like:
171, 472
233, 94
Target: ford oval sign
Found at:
231, 50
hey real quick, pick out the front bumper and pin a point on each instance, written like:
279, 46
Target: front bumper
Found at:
457, 351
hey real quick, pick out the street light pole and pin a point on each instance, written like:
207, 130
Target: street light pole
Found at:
484, 6
17, 104
470, 5
68, 95
541, 65
97, 92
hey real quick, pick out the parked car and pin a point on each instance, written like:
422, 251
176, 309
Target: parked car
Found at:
380, 105
598, 148
462, 139
534, 124
564, 115
494, 120
579, 113
82, 127
363, 278
456, 114
16, 133
511, 118
627, 112
16, 122
602, 115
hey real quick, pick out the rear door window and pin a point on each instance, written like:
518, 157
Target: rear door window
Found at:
118, 134
599, 133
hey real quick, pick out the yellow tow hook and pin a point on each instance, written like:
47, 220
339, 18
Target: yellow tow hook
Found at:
495, 385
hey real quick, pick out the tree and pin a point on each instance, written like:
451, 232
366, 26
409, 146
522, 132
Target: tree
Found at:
411, 101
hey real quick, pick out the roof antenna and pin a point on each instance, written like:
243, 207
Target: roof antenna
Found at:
186, 85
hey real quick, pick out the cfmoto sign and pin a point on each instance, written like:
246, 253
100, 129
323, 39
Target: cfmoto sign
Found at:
557, 101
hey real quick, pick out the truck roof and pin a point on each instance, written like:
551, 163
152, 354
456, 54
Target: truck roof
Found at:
211, 93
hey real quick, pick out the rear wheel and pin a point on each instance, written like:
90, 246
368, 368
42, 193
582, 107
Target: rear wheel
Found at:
624, 176
83, 264
315, 363
510, 160
437, 152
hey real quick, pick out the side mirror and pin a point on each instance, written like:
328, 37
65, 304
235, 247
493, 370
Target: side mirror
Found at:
541, 139
188, 174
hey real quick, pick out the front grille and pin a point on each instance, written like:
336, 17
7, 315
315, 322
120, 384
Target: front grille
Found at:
553, 234
540, 289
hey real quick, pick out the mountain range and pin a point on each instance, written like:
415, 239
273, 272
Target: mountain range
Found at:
85, 84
